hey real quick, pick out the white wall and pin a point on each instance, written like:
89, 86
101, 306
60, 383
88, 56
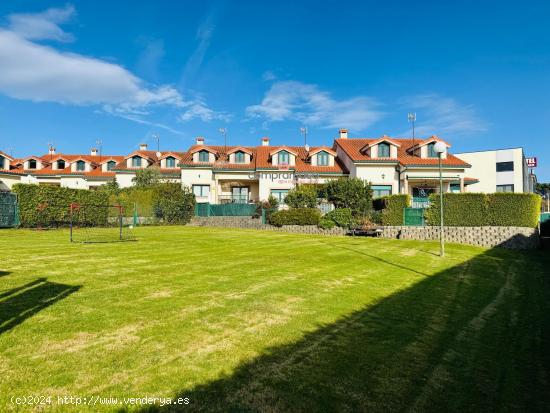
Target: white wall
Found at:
484, 169
379, 174
199, 176
124, 180
8, 181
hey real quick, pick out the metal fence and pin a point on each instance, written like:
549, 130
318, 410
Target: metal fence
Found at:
224, 210
413, 217
9, 211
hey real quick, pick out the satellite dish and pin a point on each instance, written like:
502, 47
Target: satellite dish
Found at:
306, 147
159, 154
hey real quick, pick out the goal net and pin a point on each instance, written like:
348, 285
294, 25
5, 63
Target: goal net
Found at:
99, 223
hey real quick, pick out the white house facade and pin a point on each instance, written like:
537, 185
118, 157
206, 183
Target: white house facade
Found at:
221, 174
503, 170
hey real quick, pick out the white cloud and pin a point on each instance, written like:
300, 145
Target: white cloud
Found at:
269, 75
42, 26
42, 74
440, 115
203, 37
199, 110
308, 104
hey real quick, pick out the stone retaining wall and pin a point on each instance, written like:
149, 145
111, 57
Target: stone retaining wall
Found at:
506, 237
256, 223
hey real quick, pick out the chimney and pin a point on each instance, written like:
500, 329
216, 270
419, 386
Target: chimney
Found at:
199, 140
343, 133
51, 150
93, 151
142, 146
265, 141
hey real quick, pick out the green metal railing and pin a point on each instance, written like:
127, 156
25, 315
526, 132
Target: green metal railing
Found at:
9, 210
420, 202
413, 217
224, 210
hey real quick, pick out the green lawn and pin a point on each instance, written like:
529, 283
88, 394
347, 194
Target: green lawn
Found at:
241, 320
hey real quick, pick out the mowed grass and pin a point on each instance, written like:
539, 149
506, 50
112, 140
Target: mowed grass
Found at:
240, 320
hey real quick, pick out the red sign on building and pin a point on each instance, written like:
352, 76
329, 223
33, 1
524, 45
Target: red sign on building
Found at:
531, 162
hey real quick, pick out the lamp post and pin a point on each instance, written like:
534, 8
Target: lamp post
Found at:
440, 148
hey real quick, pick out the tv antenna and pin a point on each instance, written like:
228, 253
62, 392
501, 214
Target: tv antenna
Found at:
303, 131
156, 136
223, 132
99, 144
50, 150
411, 117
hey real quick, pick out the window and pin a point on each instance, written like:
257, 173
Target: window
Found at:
2, 162
283, 157
239, 157
170, 162
431, 150
136, 161
505, 166
32, 164
322, 158
383, 150
279, 194
379, 191
80, 166
505, 188
239, 194
61, 164
204, 156
201, 190
110, 165
455, 188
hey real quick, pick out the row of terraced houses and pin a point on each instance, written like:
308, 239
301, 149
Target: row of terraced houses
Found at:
220, 174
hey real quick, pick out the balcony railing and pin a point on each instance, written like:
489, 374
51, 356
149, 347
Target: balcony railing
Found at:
418, 202
233, 199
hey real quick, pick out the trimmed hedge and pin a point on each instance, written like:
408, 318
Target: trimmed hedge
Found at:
499, 209
49, 206
514, 210
461, 210
392, 208
295, 216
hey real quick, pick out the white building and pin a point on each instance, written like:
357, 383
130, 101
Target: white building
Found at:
503, 170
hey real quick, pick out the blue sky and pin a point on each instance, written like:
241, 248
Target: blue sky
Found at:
476, 73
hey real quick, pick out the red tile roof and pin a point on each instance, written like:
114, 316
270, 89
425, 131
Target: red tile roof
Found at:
261, 159
352, 147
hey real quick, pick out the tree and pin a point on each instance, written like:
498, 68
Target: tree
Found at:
303, 196
147, 177
542, 188
352, 193
173, 203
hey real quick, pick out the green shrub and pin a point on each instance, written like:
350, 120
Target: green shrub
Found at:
460, 210
303, 196
49, 206
499, 209
147, 177
174, 204
515, 210
295, 216
352, 193
325, 223
340, 216
391, 209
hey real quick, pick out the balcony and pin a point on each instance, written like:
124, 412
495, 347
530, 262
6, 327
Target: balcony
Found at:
234, 199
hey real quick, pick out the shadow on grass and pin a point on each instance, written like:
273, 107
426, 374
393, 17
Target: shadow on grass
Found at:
4, 273
20, 303
474, 337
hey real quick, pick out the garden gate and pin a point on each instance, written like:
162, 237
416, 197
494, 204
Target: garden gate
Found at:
413, 216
